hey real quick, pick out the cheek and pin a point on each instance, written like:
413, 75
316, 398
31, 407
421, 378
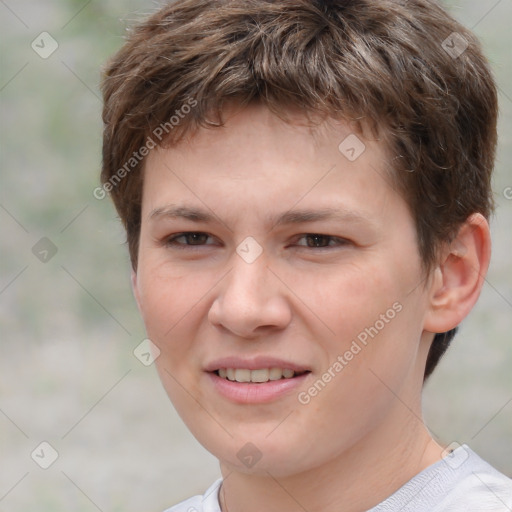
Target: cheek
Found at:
171, 308
168, 297
374, 324
351, 298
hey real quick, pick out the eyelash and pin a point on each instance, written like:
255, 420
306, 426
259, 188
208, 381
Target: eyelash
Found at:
171, 241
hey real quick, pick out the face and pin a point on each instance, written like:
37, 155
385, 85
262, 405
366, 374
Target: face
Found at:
271, 253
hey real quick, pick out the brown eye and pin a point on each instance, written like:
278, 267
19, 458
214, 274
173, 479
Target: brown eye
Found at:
318, 241
191, 238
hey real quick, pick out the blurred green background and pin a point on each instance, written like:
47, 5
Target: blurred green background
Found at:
69, 326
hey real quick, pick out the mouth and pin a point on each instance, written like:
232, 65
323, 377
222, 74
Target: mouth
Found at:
258, 376
255, 380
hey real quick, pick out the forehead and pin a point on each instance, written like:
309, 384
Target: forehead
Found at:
294, 133
259, 161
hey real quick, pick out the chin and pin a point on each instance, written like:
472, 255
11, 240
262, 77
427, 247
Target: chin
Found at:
278, 458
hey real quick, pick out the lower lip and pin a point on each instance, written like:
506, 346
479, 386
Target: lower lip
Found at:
253, 393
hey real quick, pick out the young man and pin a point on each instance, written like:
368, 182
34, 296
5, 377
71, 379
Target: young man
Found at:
305, 187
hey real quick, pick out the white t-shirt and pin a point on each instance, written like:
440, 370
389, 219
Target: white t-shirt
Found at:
461, 482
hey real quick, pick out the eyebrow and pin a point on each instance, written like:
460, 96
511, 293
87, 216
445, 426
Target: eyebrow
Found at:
290, 217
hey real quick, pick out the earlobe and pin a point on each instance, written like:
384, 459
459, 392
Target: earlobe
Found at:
459, 277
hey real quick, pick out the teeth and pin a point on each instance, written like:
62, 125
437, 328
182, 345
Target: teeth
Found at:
288, 374
242, 375
260, 375
275, 373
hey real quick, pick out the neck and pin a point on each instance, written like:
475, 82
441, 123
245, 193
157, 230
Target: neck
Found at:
360, 478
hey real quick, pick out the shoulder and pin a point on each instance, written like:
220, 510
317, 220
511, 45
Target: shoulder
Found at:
477, 487
208, 502
461, 482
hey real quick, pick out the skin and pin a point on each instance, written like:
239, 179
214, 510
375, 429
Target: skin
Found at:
362, 437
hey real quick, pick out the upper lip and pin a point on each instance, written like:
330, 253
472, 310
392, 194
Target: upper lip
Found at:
253, 363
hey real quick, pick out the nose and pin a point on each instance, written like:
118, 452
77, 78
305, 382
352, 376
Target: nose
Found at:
251, 301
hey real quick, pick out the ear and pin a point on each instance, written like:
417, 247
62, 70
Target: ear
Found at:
135, 289
459, 277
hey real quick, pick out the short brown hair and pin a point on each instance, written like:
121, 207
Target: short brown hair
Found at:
404, 65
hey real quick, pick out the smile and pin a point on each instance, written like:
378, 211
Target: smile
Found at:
257, 376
